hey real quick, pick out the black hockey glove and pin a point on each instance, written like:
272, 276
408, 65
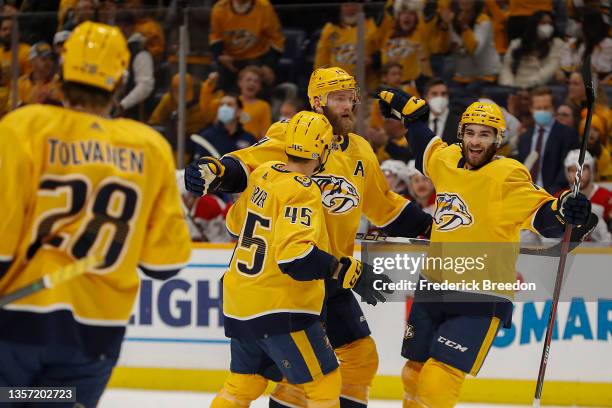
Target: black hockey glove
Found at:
574, 210
360, 277
202, 175
394, 102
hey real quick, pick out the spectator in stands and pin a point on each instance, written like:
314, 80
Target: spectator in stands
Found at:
256, 115
520, 13
227, 133
422, 190
499, 13
149, 28
406, 44
519, 106
601, 198
441, 120
598, 44
547, 143
138, 98
337, 44
289, 107
472, 43
576, 99
85, 10
598, 148
391, 76
205, 216
398, 176
165, 114
534, 58
395, 146
566, 116
576, 95
58, 41
108, 11
6, 62
242, 33
42, 85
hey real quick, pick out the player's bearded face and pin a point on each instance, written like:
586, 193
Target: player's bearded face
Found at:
339, 111
478, 145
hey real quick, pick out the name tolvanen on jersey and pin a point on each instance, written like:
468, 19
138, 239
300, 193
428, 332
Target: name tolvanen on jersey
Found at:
94, 151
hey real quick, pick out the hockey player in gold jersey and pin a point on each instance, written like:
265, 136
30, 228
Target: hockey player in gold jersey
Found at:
483, 199
352, 185
273, 291
76, 183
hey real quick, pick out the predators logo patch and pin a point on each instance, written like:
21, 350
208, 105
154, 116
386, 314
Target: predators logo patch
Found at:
451, 212
339, 195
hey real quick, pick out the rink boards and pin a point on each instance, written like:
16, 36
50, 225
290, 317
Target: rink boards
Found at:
176, 341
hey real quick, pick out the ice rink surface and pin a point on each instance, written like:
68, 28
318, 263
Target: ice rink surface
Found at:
120, 398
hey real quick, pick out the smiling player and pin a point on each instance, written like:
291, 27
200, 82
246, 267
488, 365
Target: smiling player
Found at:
481, 198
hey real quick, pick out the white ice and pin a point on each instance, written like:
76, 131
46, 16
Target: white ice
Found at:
120, 398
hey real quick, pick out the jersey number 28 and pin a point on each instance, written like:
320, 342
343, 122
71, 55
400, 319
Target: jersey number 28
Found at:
112, 208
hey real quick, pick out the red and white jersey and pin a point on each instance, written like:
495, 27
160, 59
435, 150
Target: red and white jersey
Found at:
601, 205
601, 202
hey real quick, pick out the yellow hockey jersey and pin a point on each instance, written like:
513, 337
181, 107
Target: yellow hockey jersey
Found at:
279, 219
337, 46
411, 51
74, 183
479, 213
249, 35
352, 184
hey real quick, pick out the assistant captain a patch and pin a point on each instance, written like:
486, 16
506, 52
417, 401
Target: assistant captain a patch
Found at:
451, 212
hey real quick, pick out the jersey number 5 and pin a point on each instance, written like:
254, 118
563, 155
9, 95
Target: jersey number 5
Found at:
249, 239
108, 213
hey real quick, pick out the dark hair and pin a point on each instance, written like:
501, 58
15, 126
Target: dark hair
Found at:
234, 95
478, 6
297, 103
594, 28
384, 70
78, 94
295, 159
540, 91
531, 42
125, 17
433, 82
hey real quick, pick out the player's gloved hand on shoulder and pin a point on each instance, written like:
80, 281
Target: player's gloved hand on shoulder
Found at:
360, 277
203, 174
394, 101
574, 210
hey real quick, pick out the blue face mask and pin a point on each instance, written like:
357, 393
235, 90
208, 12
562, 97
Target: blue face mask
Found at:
226, 114
543, 117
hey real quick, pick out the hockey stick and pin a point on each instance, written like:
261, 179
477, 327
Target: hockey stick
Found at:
205, 144
551, 251
565, 243
49, 280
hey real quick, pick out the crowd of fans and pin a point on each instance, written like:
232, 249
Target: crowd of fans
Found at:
526, 55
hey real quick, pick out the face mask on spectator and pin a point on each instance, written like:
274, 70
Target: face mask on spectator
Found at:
350, 20
438, 104
226, 114
543, 117
545, 31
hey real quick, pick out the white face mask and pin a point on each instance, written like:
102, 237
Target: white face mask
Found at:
438, 104
545, 31
350, 20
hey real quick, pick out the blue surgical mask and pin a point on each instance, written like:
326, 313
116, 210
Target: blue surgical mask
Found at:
543, 117
226, 114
